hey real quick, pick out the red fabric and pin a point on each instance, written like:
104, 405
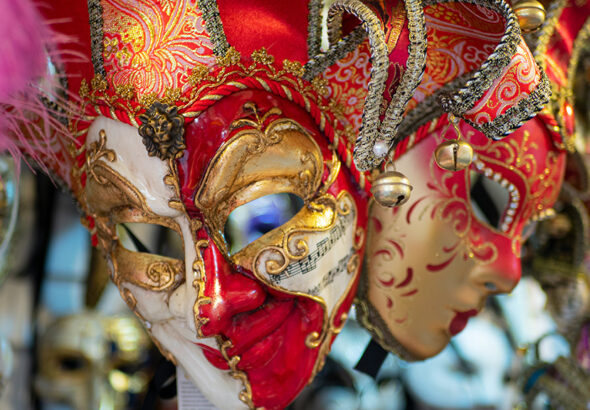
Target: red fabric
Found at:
70, 18
280, 27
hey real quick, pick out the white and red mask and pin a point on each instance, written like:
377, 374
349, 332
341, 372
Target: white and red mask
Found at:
233, 317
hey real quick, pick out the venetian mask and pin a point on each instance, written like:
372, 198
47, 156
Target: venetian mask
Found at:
193, 148
91, 362
435, 259
272, 307
458, 239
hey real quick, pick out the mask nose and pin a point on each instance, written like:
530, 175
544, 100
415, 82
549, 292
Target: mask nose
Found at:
500, 276
228, 292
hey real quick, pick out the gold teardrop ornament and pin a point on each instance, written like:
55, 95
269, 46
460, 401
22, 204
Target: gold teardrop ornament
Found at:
391, 188
530, 13
453, 155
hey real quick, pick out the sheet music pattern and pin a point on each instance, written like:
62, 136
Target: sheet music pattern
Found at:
331, 275
309, 263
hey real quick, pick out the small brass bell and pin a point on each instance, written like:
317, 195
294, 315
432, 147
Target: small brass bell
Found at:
530, 13
455, 154
391, 188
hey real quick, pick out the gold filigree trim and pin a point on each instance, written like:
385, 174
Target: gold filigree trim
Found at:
292, 246
97, 150
353, 264
199, 285
359, 238
313, 340
246, 394
171, 180
161, 273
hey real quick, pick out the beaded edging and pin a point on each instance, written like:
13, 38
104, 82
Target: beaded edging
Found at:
214, 27
314, 28
96, 36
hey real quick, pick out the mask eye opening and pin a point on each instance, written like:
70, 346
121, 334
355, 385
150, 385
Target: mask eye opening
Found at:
150, 238
491, 200
72, 363
250, 221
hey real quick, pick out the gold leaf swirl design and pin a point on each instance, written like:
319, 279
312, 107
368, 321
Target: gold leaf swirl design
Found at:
160, 273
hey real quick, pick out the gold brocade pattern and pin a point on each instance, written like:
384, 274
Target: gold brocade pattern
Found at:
518, 82
152, 46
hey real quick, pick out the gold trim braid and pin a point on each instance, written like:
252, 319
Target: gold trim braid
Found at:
214, 27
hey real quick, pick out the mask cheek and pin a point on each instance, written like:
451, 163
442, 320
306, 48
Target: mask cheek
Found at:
146, 281
151, 272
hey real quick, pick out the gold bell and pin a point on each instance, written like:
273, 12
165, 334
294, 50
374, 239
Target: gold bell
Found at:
453, 155
391, 188
456, 154
530, 13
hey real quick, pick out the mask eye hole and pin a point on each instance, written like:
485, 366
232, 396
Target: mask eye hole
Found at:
250, 221
150, 238
489, 199
70, 363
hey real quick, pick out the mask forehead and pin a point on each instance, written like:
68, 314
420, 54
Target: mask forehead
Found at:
207, 133
119, 146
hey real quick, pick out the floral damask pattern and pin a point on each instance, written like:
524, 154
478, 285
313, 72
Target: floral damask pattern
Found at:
518, 80
460, 38
152, 45
348, 81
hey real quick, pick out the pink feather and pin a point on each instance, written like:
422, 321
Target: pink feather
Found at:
21, 49
27, 125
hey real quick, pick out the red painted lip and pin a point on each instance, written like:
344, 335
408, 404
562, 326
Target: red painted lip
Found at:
460, 321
